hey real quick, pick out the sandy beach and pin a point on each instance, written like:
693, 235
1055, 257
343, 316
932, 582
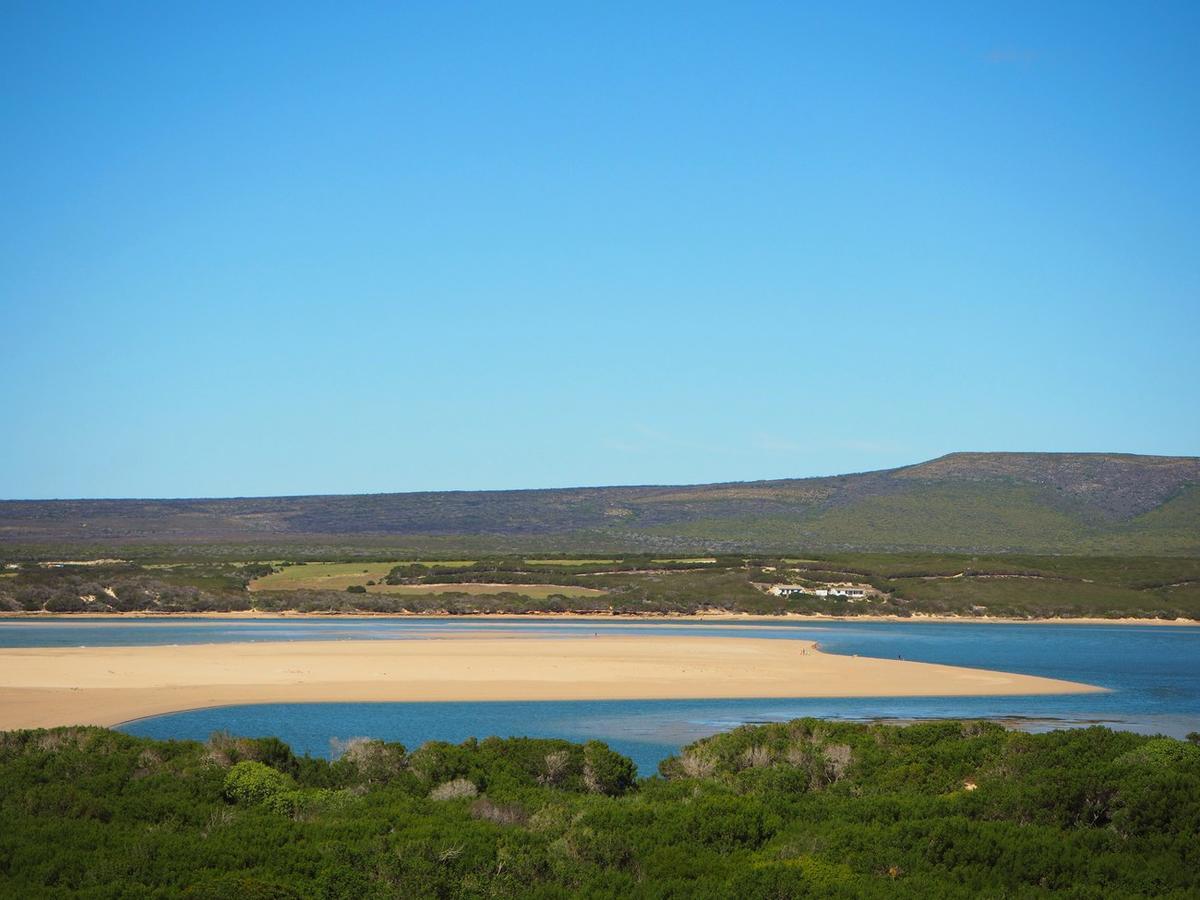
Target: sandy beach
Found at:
45, 687
709, 616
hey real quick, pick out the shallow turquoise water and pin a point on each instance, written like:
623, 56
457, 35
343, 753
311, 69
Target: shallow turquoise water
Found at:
1153, 674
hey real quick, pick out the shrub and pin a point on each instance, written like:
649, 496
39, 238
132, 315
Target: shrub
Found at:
1090, 812
606, 771
458, 789
376, 762
438, 761
556, 765
500, 813
254, 782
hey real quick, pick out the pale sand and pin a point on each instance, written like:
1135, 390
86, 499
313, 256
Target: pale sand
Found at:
708, 615
44, 687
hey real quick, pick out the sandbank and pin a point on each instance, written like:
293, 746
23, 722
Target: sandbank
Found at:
716, 615
45, 687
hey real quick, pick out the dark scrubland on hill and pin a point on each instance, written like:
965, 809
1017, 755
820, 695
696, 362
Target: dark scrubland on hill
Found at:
1081, 503
806, 808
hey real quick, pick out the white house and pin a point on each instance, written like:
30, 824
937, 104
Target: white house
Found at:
789, 590
851, 593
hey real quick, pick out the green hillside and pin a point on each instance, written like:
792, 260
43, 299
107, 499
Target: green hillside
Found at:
963, 502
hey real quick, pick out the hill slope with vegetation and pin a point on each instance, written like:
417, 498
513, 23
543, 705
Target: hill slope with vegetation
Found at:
964, 502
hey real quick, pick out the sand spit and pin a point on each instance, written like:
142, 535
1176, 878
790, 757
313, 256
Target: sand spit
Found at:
45, 687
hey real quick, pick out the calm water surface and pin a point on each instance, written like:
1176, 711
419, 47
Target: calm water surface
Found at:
1153, 673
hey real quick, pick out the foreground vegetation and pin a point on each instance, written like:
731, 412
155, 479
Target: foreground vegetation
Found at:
807, 808
898, 584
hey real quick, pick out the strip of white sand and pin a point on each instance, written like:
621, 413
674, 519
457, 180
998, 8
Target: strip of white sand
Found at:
45, 687
183, 618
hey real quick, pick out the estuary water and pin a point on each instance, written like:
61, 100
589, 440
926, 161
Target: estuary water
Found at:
1153, 673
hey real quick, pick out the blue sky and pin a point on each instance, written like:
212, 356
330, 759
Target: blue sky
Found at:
309, 248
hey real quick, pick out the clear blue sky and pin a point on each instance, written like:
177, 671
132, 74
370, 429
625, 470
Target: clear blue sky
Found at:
255, 248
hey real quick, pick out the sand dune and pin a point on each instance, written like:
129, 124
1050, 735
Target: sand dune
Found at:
44, 687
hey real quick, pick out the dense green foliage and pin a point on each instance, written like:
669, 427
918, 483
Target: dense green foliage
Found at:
1081, 503
903, 585
807, 808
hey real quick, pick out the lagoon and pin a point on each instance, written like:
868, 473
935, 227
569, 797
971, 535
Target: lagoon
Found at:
1153, 674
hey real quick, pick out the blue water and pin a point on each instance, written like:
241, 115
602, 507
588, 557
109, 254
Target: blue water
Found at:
1153, 674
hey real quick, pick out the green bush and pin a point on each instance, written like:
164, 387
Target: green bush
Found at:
255, 782
607, 772
945, 809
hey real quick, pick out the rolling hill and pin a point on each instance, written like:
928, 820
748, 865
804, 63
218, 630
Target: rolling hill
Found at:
962, 502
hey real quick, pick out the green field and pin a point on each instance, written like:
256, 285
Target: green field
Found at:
323, 576
336, 576
533, 591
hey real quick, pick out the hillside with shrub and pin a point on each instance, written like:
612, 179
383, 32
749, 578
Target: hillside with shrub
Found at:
964, 502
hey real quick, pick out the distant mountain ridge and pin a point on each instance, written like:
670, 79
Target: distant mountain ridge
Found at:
985, 502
